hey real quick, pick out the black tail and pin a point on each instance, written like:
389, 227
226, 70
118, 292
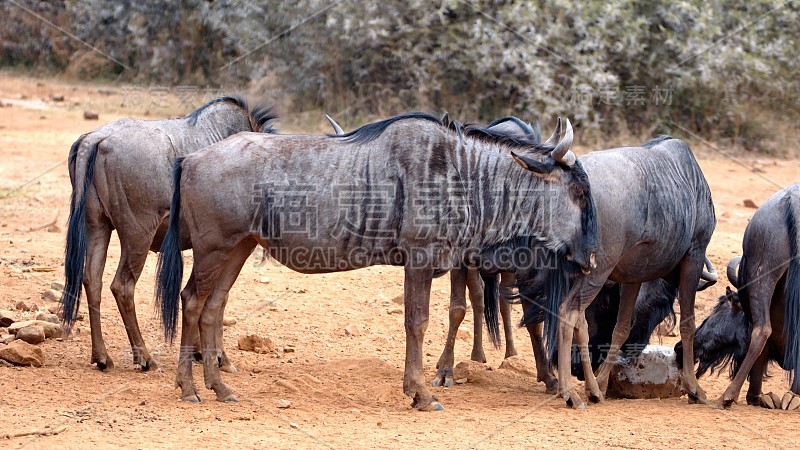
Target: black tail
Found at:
791, 328
491, 307
77, 235
170, 262
556, 287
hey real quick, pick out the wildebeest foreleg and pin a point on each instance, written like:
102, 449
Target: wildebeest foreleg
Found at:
131, 263
591, 387
99, 234
507, 284
458, 309
627, 302
475, 286
761, 292
417, 286
543, 370
566, 327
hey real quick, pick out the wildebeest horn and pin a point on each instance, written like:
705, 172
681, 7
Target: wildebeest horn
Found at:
562, 153
335, 125
733, 267
553, 139
709, 276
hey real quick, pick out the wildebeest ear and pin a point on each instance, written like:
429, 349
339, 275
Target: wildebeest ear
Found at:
733, 297
532, 165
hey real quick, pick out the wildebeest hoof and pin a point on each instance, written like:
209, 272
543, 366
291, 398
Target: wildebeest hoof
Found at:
192, 398
104, 364
444, 377
198, 356
229, 368
551, 388
148, 365
595, 398
433, 406
228, 398
699, 397
574, 401
478, 356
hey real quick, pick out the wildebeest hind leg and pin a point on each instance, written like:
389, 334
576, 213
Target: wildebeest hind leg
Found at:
123, 287
761, 292
417, 296
214, 308
458, 309
225, 363
627, 302
690, 269
756, 379
192, 307
544, 372
507, 282
99, 234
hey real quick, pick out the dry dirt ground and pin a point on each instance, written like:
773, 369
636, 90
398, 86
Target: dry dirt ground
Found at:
345, 391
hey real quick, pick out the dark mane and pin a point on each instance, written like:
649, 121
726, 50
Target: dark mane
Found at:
657, 140
260, 115
373, 130
530, 142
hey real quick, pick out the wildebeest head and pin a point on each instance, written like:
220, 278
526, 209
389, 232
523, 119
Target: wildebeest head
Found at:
571, 193
722, 339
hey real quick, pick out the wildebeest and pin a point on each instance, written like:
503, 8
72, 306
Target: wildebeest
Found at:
655, 220
464, 277
760, 322
468, 279
404, 191
654, 305
121, 179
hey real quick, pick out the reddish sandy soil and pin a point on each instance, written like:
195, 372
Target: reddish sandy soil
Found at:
345, 391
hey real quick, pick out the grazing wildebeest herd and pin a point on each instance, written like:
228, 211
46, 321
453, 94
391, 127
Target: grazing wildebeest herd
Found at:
596, 249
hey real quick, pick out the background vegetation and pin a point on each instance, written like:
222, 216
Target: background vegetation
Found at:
727, 70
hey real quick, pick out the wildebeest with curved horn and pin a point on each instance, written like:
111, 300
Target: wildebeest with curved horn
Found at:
654, 304
121, 179
404, 191
463, 277
655, 220
760, 322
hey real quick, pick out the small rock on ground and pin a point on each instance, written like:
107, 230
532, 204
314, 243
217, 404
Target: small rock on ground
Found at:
395, 311
229, 321
47, 317
22, 306
352, 330
256, 343
283, 404
20, 353
33, 334
6, 318
51, 295
51, 330
748, 203
519, 364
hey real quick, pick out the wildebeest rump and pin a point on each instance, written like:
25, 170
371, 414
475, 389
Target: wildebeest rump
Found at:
120, 176
655, 218
760, 322
404, 191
